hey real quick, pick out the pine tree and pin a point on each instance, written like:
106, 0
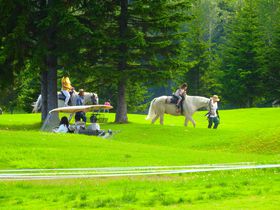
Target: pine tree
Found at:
273, 61
204, 36
139, 41
243, 61
198, 48
40, 33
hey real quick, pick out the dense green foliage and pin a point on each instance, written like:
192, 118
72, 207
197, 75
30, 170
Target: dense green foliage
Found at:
228, 47
245, 135
243, 63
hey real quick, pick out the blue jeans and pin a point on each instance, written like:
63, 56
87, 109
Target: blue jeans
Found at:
214, 120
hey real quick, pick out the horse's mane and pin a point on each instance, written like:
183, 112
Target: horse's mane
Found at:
197, 101
196, 97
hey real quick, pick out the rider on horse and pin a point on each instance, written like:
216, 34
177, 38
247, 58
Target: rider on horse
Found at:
179, 95
66, 87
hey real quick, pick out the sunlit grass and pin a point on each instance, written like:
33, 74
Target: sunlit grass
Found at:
254, 189
244, 135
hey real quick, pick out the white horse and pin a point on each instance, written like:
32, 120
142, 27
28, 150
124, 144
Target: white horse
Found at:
88, 99
162, 105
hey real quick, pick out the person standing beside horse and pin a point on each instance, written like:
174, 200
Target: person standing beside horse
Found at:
179, 94
66, 87
80, 102
213, 115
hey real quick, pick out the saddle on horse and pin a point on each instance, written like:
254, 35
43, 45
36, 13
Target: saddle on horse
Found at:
174, 99
62, 97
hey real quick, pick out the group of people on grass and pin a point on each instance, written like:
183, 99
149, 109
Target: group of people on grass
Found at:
212, 115
92, 129
80, 117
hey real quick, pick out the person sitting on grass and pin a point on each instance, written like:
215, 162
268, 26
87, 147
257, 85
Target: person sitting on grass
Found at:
63, 126
95, 127
79, 124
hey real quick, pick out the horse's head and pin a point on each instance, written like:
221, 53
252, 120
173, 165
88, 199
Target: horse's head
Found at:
94, 98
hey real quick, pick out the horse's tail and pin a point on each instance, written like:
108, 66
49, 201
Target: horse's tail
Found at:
37, 105
152, 112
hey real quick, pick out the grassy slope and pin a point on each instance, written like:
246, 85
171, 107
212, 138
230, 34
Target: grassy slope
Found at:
244, 135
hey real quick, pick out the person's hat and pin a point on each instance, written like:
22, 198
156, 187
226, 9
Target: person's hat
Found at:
216, 97
81, 90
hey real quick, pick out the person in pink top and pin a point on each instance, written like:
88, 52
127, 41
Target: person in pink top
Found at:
107, 103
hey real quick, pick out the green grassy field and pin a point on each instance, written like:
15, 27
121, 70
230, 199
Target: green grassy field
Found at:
244, 135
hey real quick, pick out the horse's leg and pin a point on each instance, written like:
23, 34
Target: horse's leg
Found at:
186, 121
161, 119
192, 120
155, 118
189, 118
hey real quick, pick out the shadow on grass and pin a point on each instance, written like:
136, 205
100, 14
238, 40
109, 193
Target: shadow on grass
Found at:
34, 126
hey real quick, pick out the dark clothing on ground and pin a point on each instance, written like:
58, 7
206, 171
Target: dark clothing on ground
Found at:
80, 115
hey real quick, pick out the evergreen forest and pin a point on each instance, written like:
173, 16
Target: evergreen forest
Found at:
130, 51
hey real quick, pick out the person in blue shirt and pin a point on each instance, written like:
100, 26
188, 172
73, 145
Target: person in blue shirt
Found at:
80, 102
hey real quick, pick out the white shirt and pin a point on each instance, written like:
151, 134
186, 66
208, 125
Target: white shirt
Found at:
179, 92
213, 109
94, 127
61, 129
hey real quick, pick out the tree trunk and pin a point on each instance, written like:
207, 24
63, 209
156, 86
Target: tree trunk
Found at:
52, 62
249, 102
44, 95
121, 115
52, 82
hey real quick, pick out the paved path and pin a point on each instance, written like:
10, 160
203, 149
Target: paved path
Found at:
74, 173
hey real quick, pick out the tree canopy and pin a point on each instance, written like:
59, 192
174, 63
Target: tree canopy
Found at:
123, 49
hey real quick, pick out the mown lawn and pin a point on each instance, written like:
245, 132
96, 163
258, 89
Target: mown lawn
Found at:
245, 135
254, 189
